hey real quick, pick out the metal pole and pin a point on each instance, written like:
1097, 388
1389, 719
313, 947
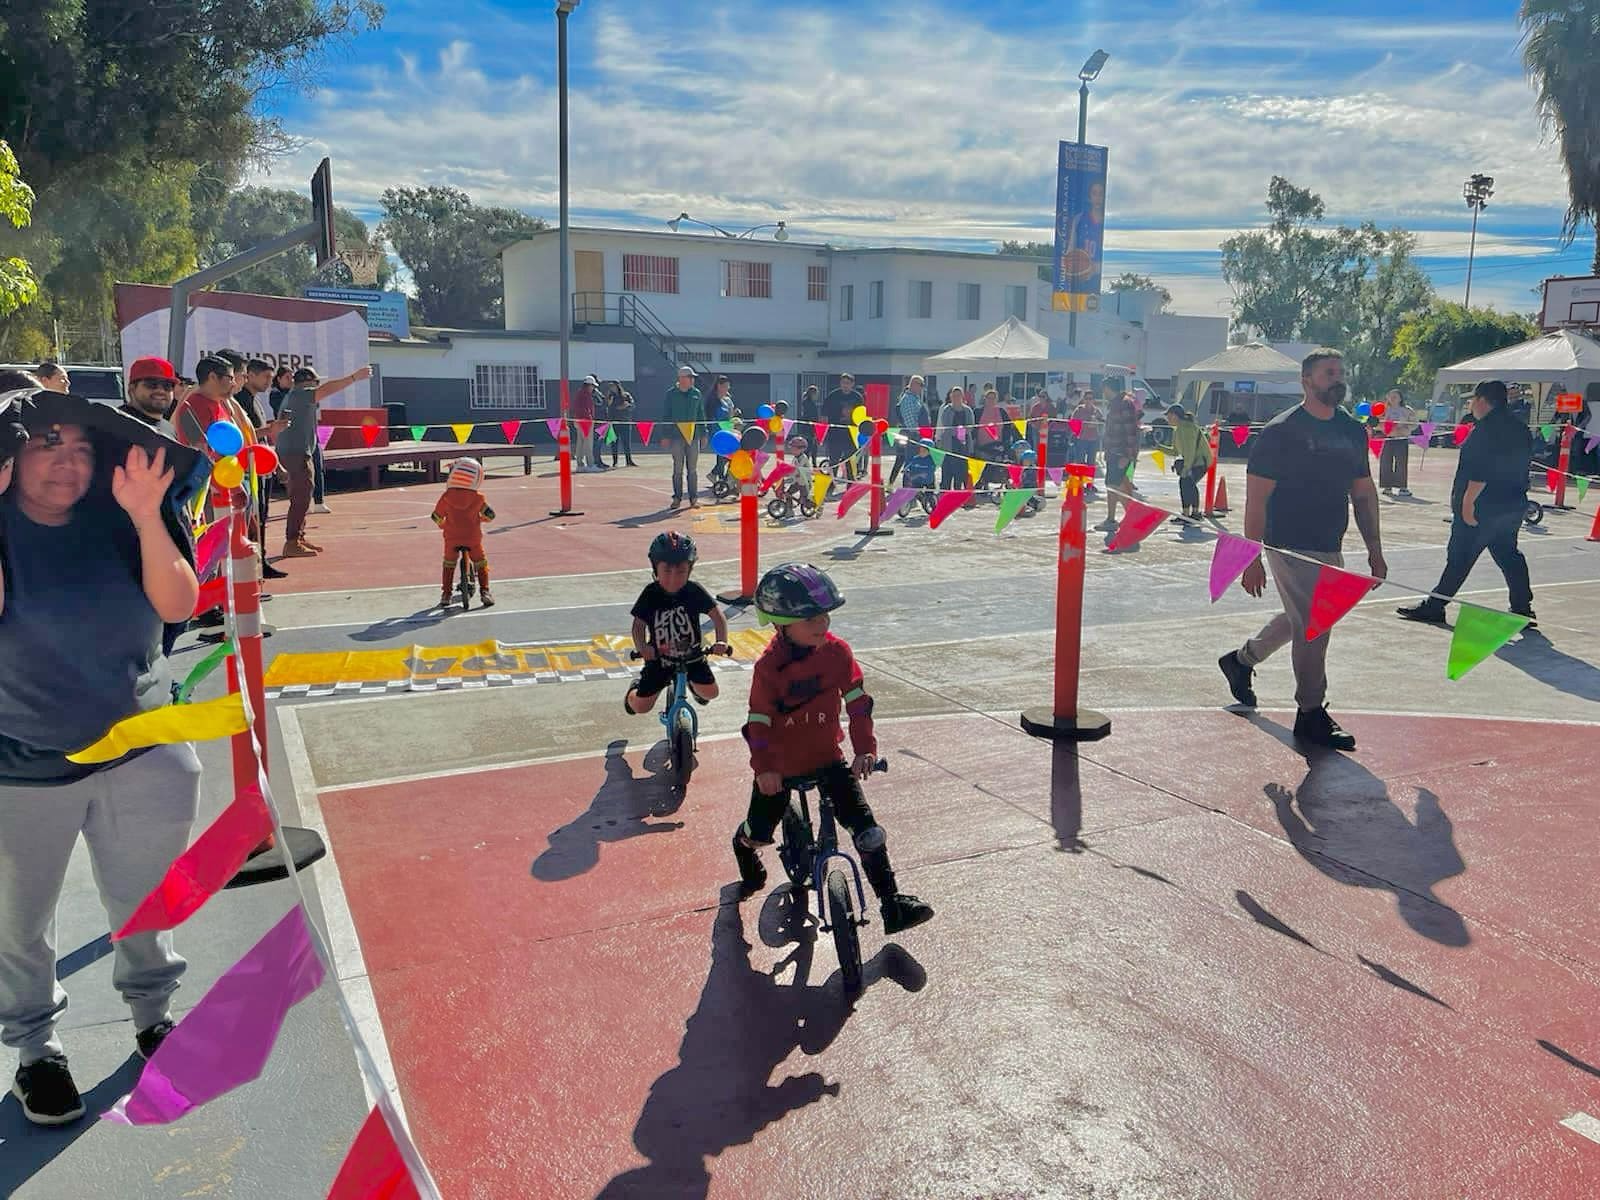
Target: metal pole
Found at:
179, 313
566, 282
1083, 132
1472, 245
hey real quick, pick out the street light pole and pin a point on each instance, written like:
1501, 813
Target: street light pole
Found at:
1476, 191
1090, 70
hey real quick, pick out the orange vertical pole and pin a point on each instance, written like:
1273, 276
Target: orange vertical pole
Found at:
1563, 464
564, 451
1214, 440
875, 496
246, 604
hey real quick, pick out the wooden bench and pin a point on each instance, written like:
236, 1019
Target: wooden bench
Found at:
428, 455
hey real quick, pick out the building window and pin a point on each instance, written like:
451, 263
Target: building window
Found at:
847, 302
817, 283
507, 385
737, 356
649, 273
1017, 301
747, 280
921, 302
875, 300
968, 301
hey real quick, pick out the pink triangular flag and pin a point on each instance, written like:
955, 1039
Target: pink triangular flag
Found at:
897, 500
777, 473
644, 428
1375, 445
992, 430
1423, 435
510, 429
961, 433
1591, 443
1228, 561
202, 870
948, 503
586, 427
373, 1168
851, 494
788, 425
759, 457
1075, 426
1552, 479
554, 425
1463, 432
1138, 523
1336, 593
1014, 473
1241, 434
324, 432
225, 1040
212, 546
820, 428
213, 592
1055, 474
1388, 428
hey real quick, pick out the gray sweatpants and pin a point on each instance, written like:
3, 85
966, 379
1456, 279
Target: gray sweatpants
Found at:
1295, 579
136, 819
685, 454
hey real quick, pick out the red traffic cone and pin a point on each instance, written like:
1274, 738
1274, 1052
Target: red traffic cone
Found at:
1220, 503
1594, 534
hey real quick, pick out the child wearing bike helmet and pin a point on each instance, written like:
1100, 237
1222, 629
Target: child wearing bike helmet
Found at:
666, 625
800, 682
461, 514
919, 468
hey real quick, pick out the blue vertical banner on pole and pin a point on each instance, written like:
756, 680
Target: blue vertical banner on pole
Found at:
1080, 227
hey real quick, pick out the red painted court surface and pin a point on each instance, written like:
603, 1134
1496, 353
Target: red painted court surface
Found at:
1189, 963
384, 538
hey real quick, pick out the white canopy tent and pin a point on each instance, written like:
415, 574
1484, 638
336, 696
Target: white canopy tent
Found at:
1011, 348
1265, 370
1567, 359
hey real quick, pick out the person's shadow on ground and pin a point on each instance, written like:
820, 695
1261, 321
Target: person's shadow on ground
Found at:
747, 1024
626, 806
391, 627
1343, 822
1535, 655
29, 1148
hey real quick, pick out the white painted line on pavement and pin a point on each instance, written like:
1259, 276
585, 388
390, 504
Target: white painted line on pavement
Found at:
1584, 1124
349, 963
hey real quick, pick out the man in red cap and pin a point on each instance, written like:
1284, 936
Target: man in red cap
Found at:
151, 383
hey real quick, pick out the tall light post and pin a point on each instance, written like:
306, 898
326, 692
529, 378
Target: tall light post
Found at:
1090, 72
782, 227
1476, 191
564, 9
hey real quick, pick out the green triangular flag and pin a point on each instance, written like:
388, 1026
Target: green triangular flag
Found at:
1131, 465
611, 435
203, 668
938, 457
890, 436
1583, 487
1011, 503
725, 425
1479, 633
1547, 432
417, 431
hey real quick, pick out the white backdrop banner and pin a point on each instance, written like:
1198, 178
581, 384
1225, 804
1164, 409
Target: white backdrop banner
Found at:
329, 337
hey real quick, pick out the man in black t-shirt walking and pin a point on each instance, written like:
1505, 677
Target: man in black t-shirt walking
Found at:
836, 410
1307, 469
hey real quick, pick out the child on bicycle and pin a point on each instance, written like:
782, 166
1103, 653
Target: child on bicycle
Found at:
461, 514
793, 729
919, 469
666, 624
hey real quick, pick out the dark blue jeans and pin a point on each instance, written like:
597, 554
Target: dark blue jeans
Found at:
1495, 532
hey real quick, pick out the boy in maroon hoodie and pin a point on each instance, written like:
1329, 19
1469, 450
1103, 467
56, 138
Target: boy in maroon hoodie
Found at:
793, 729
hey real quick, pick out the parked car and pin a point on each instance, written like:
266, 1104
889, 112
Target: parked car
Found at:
92, 383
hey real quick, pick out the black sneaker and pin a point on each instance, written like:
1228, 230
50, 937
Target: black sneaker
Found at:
1527, 612
47, 1093
210, 619
1429, 612
901, 911
752, 875
150, 1040
1320, 729
1238, 675
268, 571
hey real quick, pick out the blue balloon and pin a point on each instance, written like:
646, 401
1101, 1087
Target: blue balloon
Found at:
725, 442
224, 437
864, 436
1363, 409
764, 411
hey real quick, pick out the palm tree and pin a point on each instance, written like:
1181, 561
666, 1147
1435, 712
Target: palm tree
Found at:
1560, 49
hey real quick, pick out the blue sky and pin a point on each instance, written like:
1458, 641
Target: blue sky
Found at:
935, 122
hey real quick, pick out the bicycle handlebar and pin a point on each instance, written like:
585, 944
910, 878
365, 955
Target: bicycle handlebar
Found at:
690, 657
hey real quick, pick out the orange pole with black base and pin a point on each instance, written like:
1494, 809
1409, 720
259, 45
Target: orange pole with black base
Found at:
564, 449
1064, 721
1214, 440
875, 496
1563, 464
749, 546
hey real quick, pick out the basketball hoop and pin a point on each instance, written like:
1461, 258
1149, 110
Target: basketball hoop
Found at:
363, 263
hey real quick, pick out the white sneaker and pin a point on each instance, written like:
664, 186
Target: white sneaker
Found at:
321, 508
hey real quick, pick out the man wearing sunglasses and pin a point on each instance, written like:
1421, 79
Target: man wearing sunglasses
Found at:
151, 386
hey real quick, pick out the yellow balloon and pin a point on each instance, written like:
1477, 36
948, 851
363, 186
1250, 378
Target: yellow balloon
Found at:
741, 465
858, 414
775, 424
227, 472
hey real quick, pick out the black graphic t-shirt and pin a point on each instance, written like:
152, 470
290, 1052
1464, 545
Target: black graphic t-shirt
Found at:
673, 618
1314, 462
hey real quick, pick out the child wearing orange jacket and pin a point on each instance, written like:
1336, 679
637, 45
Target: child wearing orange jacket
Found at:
461, 514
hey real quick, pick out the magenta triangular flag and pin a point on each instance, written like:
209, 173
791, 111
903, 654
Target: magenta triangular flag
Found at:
225, 1040
947, 504
644, 428
1228, 561
324, 432
777, 473
1138, 523
553, 424
851, 494
897, 500
1336, 593
212, 546
1055, 474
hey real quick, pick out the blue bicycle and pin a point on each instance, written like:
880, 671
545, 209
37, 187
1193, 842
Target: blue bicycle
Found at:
808, 859
678, 715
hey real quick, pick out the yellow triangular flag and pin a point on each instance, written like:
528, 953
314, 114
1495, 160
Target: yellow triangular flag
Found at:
975, 468
1022, 427
219, 718
462, 432
819, 487
687, 429
1159, 459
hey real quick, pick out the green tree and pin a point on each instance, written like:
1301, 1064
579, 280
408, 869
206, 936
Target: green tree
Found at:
1446, 333
17, 284
1128, 281
452, 247
1028, 249
1560, 47
254, 215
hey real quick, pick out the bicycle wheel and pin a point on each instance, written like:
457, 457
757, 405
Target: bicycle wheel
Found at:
777, 509
798, 849
465, 585
846, 939
927, 499
682, 752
